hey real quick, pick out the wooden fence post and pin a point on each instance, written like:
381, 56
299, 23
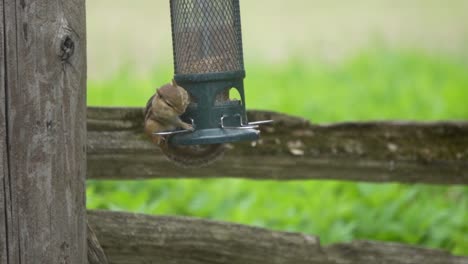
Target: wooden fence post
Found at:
42, 131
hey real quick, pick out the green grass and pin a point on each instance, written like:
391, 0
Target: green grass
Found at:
374, 85
378, 84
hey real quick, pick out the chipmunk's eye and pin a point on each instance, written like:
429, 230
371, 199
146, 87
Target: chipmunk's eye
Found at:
169, 104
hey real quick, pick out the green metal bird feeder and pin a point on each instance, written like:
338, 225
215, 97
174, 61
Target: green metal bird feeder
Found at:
208, 63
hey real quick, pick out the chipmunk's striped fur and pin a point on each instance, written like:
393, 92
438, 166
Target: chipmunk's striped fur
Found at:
162, 114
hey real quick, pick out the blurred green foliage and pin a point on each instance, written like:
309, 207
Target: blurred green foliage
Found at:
377, 84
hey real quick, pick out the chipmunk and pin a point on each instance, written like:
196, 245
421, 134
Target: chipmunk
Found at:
163, 110
162, 114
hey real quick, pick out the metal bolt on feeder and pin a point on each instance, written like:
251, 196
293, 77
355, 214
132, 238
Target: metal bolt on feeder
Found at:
208, 64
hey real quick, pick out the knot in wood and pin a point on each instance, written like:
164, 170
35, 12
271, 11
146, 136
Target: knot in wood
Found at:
67, 48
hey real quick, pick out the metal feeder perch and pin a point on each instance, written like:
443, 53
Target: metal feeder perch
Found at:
208, 63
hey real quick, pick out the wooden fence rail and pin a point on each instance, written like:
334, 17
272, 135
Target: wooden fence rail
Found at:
291, 148
140, 239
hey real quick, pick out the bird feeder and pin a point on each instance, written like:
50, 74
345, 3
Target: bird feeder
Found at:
208, 63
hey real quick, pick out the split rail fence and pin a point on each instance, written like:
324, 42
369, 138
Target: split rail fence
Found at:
50, 143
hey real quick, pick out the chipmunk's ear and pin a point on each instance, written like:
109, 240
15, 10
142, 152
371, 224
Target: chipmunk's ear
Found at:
174, 83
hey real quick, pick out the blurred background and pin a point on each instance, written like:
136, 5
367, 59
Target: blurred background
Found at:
327, 61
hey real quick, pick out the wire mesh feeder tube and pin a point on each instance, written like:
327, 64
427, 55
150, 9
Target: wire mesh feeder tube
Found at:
208, 63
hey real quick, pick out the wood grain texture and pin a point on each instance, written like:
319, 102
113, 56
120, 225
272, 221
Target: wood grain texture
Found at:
45, 102
3, 138
140, 239
7, 61
96, 254
131, 238
291, 148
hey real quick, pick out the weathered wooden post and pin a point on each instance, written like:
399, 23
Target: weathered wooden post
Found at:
42, 131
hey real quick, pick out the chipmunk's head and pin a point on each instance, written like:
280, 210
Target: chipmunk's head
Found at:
172, 96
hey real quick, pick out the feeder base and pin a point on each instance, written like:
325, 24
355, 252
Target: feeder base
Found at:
215, 136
